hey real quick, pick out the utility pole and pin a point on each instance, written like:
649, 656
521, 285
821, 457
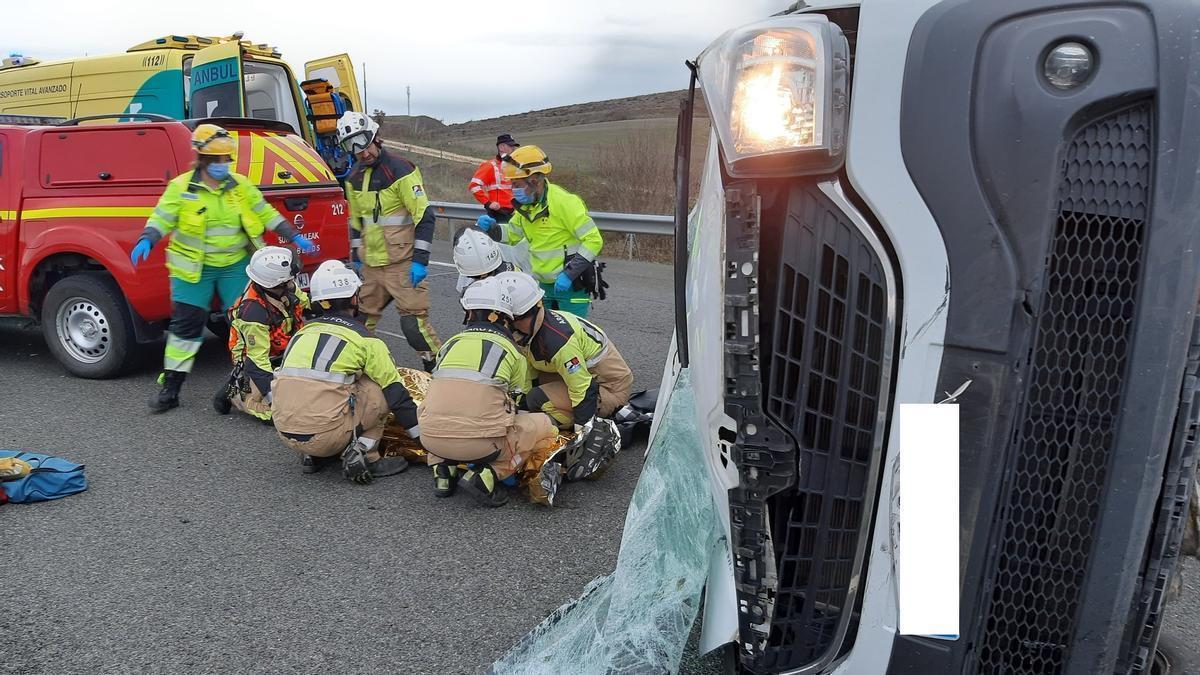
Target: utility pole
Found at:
408, 94
366, 109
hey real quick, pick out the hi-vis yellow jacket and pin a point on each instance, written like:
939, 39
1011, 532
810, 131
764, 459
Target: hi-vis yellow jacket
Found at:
556, 227
389, 211
208, 226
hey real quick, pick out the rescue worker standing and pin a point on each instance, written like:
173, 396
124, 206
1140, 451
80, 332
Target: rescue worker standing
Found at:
490, 187
332, 394
582, 378
563, 239
470, 413
215, 218
392, 230
261, 323
477, 257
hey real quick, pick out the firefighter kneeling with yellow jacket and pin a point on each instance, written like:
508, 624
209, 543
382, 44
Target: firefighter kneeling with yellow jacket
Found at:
470, 412
337, 384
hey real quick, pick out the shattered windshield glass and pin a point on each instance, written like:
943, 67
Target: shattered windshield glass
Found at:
637, 619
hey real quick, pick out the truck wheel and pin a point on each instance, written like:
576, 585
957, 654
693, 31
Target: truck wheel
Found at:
87, 325
1175, 657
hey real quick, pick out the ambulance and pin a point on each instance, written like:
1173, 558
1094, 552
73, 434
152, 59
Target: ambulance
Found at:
190, 76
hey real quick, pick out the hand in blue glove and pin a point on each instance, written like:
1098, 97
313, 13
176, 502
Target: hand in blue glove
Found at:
306, 247
141, 251
485, 222
417, 273
563, 283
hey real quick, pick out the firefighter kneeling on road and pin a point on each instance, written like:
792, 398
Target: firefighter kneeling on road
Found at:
582, 377
563, 239
392, 226
470, 413
261, 323
214, 217
337, 384
477, 257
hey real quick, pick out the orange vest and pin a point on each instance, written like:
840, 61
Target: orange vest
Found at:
489, 184
276, 319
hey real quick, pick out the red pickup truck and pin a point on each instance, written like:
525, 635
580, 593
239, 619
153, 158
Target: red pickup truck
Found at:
74, 196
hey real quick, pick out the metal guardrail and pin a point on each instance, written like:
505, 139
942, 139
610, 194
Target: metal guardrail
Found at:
625, 223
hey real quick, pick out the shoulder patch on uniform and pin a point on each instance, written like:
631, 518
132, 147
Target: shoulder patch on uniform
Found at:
573, 365
418, 191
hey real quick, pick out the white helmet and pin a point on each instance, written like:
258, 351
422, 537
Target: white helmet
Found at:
333, 280
487, 294
270, 266
522, 290
355, 131
476, 254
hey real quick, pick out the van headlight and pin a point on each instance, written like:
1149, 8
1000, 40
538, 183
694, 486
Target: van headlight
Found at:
777, 93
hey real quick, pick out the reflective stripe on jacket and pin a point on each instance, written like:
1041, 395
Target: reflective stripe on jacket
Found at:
570, 345
210, 226
389, 211
556, 227
470, 395
490, 185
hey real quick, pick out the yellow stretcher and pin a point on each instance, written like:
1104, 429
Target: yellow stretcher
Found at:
539, 478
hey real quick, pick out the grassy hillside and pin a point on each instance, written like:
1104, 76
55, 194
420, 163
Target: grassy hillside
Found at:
624, 164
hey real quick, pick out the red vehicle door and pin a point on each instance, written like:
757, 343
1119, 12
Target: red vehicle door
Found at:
8, 220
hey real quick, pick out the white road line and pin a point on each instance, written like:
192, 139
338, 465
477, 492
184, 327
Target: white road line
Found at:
441, 264
388, 332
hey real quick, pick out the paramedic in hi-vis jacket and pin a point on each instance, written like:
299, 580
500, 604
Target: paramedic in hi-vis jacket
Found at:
470, 414
214, 218
337, 383
392, 228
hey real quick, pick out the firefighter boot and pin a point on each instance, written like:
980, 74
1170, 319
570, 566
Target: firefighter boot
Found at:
387, 466
484, 486
168, 396
428, 361
311, 464
445, 479
221, 402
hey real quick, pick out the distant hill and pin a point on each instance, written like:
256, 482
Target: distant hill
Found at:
647, 106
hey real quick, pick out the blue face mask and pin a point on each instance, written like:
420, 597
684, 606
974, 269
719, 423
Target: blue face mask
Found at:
523, 195
218, 170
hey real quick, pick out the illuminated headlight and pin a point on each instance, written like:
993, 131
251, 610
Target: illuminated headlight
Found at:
776, 91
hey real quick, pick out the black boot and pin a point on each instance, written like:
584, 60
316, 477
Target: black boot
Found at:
221, 402
312, 464
168, 396
445, 479
428, 364
484, 486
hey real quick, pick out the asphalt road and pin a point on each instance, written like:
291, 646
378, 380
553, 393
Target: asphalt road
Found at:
200, 547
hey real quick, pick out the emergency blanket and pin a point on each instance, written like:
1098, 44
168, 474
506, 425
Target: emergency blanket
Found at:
637, 619
539, 478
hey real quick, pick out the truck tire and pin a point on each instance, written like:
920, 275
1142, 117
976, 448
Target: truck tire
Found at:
88, 327
1175, 657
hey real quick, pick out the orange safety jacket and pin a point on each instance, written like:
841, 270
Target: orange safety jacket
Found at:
253, 308
489, 184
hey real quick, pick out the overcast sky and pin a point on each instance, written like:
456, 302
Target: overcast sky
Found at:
464, 59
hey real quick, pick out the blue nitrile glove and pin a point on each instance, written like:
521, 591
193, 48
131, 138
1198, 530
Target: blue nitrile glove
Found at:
485, 222
417, 273
141, 251
306, 247
563, 283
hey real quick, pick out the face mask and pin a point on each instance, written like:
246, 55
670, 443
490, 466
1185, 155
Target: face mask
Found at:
523, 195
218, 170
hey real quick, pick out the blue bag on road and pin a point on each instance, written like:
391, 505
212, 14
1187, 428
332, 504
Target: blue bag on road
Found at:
49, 478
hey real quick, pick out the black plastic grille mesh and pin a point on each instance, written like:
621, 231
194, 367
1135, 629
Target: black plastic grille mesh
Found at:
826, 367
1063, 438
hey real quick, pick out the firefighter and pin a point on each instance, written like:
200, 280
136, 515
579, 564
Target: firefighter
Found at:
563, 239
392, 228
489, 185
337, 383
582, 378
476, 256
470, 414
261, 323
215, 218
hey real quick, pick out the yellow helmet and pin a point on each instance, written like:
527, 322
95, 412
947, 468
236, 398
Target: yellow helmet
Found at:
210, 139
526, 161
